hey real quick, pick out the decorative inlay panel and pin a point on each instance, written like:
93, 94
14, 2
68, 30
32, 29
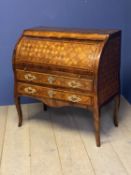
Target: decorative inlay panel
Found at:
64, 53
55, 80
59, 94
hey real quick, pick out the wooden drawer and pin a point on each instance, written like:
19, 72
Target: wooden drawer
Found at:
55, 80
44, 92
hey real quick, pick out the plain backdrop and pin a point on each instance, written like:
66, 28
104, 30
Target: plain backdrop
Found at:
16, 15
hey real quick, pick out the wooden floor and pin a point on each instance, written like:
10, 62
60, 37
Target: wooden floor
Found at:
61, 142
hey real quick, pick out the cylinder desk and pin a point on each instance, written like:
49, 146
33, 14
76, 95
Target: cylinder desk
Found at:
63, 67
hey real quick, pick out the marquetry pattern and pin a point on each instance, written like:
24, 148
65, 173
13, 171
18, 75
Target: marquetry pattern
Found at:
61, 53
44, 92
108, 83
55, 80
62, 68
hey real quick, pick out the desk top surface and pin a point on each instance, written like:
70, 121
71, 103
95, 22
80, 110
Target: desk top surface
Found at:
100, 34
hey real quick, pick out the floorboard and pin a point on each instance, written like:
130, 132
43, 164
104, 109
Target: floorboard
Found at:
120, 137
3, 120
74, 158
16, 153
62, 142
44, 154
104, 159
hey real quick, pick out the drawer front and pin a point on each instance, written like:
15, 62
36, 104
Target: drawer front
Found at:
59, 80
44, 92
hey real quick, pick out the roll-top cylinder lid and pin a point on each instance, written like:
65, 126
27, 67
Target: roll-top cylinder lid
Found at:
61, 48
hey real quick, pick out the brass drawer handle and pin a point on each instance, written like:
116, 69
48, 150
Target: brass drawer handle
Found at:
74, 84
30, 90
29, 77
51, 93
51, 79
74, 98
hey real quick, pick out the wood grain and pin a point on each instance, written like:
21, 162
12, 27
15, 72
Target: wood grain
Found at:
44, 155
91, 59
74, 158
3, 119
16, 149
62, 141
104, 160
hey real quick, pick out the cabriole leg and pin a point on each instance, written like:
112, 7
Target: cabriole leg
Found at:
117, 105
96, 118
19, 110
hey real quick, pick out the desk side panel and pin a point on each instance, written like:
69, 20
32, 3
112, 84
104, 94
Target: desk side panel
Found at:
109, 70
